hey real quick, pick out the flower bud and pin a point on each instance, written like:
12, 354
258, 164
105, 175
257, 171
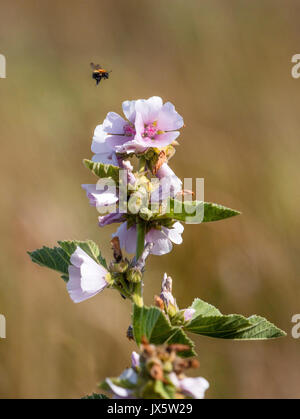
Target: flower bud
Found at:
167, 297
145, 213
134, 275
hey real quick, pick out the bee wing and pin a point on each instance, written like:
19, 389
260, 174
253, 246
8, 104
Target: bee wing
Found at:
95, 66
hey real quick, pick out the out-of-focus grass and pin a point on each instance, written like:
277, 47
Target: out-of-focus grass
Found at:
226, 66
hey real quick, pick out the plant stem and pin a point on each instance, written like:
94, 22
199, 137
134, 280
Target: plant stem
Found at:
140, 241
137, 295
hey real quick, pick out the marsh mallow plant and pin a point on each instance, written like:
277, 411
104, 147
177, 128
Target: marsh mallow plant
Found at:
137, 189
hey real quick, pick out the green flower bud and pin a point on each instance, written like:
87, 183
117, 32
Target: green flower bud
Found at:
145, 213
134, 275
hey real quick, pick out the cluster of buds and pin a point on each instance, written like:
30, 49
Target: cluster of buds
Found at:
158, 373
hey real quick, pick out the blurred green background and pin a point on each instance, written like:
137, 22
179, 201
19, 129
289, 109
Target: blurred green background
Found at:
227, 68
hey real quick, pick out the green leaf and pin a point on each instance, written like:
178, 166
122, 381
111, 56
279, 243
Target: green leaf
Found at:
204, 309
95, 396
103, 170
54, 258
58, 258
209, 321
151, 323
195, 212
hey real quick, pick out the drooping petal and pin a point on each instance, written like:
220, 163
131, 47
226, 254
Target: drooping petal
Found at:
194, 387
169, 119
74, 286
86, 277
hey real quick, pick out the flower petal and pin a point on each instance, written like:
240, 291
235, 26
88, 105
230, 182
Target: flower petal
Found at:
169, 119
99, 197
149, 108
86, 277
105, 158
174, 233
114, 123
127, 237
99, 144
129, 109
194, 387
121, 392
74, 286
135, 359
161, 244
110, 219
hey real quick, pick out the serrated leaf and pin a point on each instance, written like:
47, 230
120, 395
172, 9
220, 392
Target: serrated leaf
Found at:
103, 170
58, 258
151, 323
208, 321
204, 309
195, 212
95, 396
54, 258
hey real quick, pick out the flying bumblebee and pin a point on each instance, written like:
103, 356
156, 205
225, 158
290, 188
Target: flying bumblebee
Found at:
99, 73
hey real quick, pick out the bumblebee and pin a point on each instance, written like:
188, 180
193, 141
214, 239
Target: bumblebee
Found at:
99, 73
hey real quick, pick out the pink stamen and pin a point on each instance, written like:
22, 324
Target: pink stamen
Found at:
129, 130
150, 131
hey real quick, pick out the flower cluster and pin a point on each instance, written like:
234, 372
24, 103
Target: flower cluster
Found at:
157, 373
148, 132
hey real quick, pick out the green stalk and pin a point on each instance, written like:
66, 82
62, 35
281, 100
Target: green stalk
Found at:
137, 295
140, 242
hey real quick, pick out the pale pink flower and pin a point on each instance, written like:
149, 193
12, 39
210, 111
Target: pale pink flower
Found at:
149, 123
86, 277
162, 239
191, 387
98, 196
169, 184
152, 124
